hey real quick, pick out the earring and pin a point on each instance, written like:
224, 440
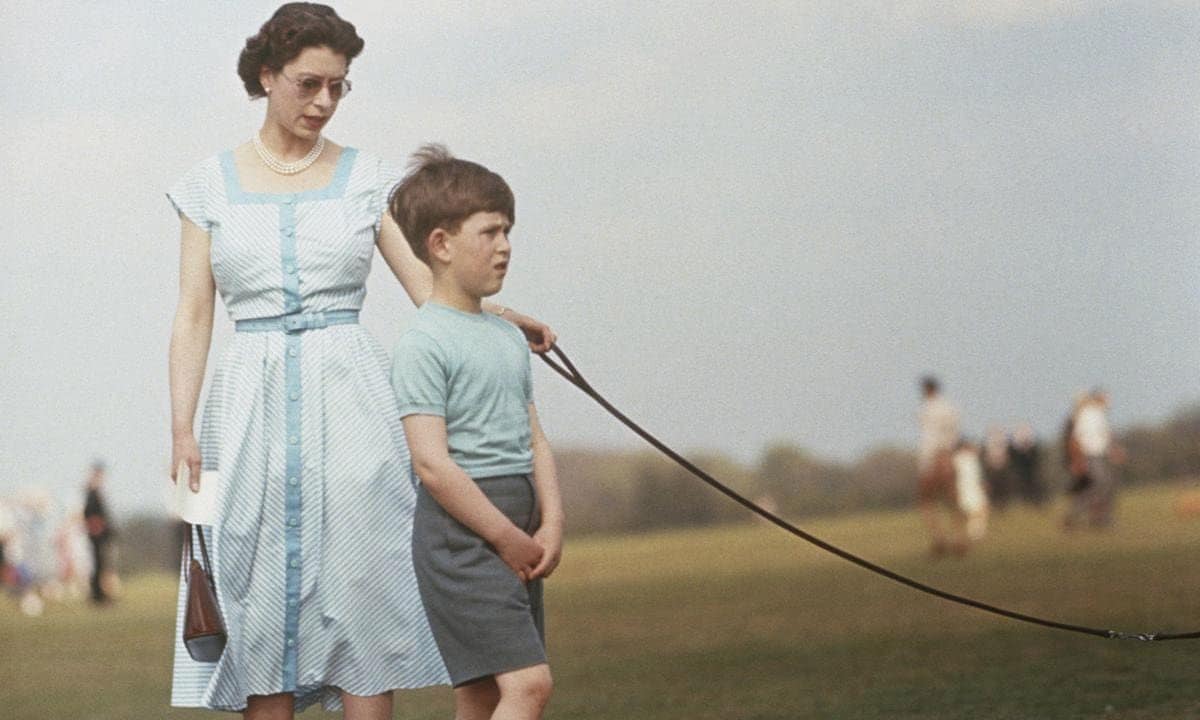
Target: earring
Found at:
267, 90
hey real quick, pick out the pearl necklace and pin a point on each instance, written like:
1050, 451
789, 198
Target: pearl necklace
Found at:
288, 168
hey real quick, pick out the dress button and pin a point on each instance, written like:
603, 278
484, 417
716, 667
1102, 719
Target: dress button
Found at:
295, 563
293, 521
294, 395
293, 352
291, 269
291, 642
290, 232
288, 200
293, 481
295, 440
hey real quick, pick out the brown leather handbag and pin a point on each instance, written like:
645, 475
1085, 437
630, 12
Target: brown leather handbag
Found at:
203, 629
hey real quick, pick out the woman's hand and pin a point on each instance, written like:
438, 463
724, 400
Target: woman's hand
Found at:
186, 450
549, 536
537, 333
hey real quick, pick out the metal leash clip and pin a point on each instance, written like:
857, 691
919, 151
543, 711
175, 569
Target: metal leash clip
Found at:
1144, 637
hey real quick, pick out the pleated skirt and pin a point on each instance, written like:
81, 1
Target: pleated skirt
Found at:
312, 546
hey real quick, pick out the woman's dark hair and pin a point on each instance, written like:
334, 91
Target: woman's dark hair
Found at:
294, 27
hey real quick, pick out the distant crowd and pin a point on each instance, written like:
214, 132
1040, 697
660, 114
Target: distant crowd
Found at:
962, 481
52, 551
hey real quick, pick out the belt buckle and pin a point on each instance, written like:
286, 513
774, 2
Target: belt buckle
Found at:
304, 321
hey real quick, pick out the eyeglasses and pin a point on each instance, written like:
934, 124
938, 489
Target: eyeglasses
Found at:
307, 86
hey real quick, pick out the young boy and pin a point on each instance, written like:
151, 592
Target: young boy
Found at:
488, 523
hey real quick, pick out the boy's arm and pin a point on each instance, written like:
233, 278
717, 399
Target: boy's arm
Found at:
455, 491
545, 481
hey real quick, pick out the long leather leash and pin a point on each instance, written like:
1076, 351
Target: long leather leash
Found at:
572, 375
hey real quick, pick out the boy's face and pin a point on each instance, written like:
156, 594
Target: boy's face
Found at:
479, 253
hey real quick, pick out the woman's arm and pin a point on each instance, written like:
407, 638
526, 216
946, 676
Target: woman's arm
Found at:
191, 334
458, 494
414, 275
545, 482
538, 334
417, 280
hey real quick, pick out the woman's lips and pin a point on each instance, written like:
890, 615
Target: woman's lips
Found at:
315, 123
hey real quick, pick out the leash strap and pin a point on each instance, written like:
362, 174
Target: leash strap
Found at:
572, 375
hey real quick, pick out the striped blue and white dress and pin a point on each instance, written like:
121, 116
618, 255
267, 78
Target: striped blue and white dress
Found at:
311, 549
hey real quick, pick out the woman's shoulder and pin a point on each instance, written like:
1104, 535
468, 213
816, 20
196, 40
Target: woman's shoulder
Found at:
195, 193
204, 171
371, 177
370, 164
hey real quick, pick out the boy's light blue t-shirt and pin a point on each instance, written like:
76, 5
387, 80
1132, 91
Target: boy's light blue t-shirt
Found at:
473, 370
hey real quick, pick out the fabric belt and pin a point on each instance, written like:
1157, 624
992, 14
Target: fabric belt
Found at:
298, 322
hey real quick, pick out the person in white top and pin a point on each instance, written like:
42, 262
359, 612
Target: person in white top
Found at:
968, 481
938, 422
1094, 438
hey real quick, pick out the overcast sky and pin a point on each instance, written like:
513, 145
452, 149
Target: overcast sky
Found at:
747, 225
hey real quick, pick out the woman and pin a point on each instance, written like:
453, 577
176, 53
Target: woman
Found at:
311, 550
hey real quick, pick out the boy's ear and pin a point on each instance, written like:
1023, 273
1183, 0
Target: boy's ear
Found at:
438, 245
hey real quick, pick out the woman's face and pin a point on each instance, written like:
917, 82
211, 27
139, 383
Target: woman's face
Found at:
304, 94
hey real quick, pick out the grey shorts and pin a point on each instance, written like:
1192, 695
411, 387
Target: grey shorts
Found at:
484, 619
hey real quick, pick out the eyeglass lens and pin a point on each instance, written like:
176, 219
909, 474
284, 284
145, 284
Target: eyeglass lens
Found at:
309, 85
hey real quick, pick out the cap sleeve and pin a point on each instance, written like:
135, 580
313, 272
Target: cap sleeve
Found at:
189, 196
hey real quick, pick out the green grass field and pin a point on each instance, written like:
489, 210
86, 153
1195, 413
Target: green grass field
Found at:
748, 622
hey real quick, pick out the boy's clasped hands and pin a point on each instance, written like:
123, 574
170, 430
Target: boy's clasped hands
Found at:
531, 557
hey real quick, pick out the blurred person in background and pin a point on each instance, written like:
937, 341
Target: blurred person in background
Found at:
996, 467
1024, 457
73, 549
100, 533
7, 535
969, 483
31, 549
1100, 456
938, 424
1075, 462
7, 577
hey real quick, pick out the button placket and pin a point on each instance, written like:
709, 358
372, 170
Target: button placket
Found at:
293, 498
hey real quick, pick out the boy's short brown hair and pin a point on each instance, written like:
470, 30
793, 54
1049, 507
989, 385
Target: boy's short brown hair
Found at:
441, 191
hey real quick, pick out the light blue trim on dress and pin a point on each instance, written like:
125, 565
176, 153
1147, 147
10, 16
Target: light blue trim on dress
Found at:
287, 257
294, 392
335, 188
298, 322
292, 506
293, 325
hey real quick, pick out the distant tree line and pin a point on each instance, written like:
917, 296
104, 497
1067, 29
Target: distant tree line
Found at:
617, 492
622, 492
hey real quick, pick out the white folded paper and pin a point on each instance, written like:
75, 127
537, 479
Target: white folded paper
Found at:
197, 508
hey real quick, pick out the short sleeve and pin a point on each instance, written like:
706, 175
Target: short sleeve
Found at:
189, 196
386, 177
420, 378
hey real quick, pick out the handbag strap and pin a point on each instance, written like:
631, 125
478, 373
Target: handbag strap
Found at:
189, 549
